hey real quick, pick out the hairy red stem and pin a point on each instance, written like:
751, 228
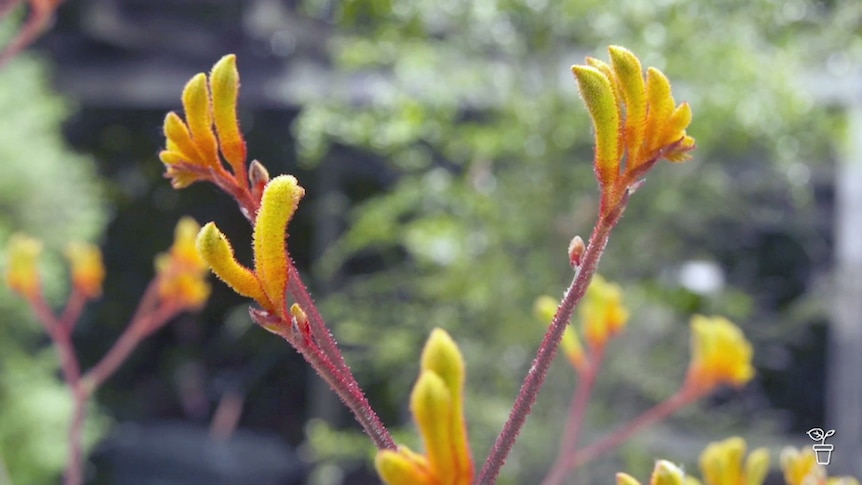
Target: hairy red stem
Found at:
548, 349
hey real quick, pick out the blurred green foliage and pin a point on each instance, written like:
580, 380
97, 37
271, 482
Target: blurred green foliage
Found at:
471, 107
52, 194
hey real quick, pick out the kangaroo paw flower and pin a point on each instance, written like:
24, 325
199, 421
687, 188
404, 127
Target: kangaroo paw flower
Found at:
437, 405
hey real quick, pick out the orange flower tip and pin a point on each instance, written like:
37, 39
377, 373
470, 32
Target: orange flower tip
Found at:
598, 94
576, 251
442, 357
88, 271
22, 271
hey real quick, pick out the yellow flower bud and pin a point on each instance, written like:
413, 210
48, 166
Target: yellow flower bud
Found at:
199, 116
598, 94
88, 272
224, 84
602, 312
216, 250
666, 473
278, 204
403, 467
22, 272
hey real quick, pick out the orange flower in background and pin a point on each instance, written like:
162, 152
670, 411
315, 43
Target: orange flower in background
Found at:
88, 271
268, 282
602, 312
192, 151
720, 354
635, 119
181, 271
438, 409
22, 265
721, 463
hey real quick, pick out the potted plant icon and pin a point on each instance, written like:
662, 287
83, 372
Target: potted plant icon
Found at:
823, 451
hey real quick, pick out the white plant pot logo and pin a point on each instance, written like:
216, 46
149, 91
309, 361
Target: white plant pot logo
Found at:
822, 450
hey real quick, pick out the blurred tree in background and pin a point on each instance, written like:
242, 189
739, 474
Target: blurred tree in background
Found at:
443, 146
51, 193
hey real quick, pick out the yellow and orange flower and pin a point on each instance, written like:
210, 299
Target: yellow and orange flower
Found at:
22, 265
720, 354
800, 468
437, 403
267, 283
721, 463
181, 271
192, 151
88, 271
635, 119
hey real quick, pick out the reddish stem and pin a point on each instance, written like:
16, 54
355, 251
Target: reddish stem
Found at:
547, 350
142, 326
683, 397
342, 382
322, 336
577, 412
60, 333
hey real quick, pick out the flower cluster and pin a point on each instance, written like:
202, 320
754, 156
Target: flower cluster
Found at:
437, 403
636, 120
720, 354
181, 271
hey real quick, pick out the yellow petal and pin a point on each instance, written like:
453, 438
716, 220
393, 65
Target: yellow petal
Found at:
180, 140
756, 467
626, 479
88, 271
431, 404
403, 467
278, 204
224, 83
629, 72
660, 105
196, 103
608, 71
216, 250
602, 312
666, 473
442, 357
598, 94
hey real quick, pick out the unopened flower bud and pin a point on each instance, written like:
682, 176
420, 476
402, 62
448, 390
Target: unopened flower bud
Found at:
576, 251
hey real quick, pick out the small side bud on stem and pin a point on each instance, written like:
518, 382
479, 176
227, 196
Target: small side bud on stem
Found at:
576, 251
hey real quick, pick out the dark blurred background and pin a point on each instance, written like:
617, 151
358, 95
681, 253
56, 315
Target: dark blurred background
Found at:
446, 161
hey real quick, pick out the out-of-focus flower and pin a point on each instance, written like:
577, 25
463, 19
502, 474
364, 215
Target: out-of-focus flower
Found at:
800, 468
88, 271
602, 312
721, 463
634, 118
720, 354
545, 308
268, 282
438, 409
192, 151
181, 271
664, 473
22, 266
